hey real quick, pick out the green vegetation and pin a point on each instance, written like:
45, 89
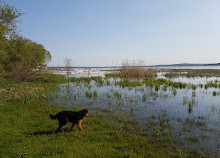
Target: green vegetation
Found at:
117, 94
194, 94
95, 94
212, 84
151, 82
88, 94
214, 93
18, 54
193, 139
132, 107
26, 100
91, 94
87, 79
190, 104
127, 83
194, 87
74, 96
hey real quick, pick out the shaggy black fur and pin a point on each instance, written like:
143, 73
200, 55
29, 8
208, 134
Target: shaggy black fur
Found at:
74, 117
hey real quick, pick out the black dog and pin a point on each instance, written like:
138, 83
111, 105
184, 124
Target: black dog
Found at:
74, 117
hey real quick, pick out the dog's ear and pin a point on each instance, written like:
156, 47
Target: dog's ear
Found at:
86, 112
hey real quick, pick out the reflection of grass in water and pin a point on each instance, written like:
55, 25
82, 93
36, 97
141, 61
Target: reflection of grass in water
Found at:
192, 138
211, 84
88, 94
144, 97
190, 104
157, 87
74, 96
193, 94
163, 119
194, 87
192, 123
215, 108
201, 85
117, 94
185, 100
214, 93
95, 94
132, 107
174, 91
164, 88
108, 95
108, 83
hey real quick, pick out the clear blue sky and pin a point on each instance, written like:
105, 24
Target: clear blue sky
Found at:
105, 32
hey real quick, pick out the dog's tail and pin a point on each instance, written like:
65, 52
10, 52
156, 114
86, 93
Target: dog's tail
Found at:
53, 116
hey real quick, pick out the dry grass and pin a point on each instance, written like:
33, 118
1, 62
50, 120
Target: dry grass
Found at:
171, 73
135, 68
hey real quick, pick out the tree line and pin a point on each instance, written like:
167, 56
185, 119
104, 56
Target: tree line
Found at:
16, 50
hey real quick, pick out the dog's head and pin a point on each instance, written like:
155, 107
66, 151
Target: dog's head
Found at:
85, 112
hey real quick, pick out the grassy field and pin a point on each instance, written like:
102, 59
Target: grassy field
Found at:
26, 129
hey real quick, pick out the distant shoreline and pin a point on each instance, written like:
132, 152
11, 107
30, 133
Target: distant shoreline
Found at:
149, 66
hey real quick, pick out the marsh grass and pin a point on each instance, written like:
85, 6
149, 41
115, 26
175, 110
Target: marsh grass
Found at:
190, 104
117, 94
98, 80
173, 73
132, 107
214, 93
88, 94
192, 138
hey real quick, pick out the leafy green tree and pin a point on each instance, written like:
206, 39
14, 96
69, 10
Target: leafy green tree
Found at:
8, 19
26, 52
14, 49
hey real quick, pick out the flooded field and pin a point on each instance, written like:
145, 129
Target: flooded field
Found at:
190, 106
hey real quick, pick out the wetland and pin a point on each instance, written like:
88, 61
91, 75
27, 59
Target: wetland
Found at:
189, 104
129, 117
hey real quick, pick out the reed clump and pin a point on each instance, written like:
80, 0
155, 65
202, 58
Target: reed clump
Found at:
98, 80
135, 68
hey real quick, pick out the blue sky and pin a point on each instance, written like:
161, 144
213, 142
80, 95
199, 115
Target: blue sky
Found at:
106, 32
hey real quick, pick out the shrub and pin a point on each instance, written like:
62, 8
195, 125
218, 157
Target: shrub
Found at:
135, 68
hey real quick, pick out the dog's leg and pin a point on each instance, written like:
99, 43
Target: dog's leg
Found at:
79, 125
60, 127
73, 127
61, 124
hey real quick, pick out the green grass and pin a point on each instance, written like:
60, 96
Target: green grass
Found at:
26, 130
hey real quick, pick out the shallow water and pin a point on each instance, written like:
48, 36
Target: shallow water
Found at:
199, 120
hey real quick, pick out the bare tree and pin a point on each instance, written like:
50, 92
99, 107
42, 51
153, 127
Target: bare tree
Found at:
67, 63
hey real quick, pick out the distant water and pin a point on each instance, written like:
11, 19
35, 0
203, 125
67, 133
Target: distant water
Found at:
188, 67
148, 67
